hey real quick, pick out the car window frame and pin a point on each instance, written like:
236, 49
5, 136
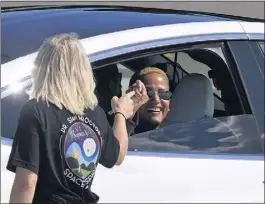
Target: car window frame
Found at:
105, 57
180, 47
226, 52
119, 54
258, 53
244, 59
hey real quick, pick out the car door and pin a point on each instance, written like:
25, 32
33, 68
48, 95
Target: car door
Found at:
159, 171
209, 160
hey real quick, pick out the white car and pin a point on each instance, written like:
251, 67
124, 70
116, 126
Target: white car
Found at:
191, 158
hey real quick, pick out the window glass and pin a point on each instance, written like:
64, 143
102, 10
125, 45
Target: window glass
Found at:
261, 44
232, 135
227, 131
193, 66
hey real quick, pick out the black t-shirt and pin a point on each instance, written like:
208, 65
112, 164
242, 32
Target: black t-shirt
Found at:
132, 125
63, 150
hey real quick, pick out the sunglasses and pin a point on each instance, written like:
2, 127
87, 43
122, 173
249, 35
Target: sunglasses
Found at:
162, 93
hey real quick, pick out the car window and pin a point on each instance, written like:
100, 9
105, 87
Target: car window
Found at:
190, 65
203, 61
230, 130
230, 135
261, 44
193, 66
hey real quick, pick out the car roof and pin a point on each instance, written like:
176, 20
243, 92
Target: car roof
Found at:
111, 44
24, 31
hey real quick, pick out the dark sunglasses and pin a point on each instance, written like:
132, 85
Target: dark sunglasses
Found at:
162, 93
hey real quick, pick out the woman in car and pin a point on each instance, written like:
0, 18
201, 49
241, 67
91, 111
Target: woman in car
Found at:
62, 133
152, 113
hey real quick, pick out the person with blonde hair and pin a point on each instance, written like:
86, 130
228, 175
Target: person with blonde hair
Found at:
152, 113
62, 133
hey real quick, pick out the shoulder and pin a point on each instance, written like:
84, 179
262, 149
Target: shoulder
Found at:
98, 116
98, 112
30, 109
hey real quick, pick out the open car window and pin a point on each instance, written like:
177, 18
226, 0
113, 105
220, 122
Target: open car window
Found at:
208, 60
225, 131
202, 61
190, 65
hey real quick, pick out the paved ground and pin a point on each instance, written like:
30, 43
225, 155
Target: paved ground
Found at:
243, 8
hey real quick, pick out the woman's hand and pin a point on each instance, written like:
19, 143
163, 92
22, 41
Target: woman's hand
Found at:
124, 104
140, 97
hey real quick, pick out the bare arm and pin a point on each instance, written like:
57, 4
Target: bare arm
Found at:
123, 109
120, 132
24, 186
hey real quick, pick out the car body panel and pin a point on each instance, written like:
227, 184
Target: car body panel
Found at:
113, 41
146, 179
252, 27
156, 176
143, 178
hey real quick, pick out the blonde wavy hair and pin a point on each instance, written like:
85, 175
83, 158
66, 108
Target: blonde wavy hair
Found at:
150, 70
62, 75
145, 71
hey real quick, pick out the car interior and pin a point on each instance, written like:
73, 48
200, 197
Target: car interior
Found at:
112, 80
186, 86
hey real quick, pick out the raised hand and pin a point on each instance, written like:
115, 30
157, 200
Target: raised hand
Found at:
124, 104
140, 97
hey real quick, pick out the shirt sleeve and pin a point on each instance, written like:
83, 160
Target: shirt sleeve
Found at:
111, 146
25, 147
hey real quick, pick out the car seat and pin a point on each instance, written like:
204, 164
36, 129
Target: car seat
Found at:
192, 100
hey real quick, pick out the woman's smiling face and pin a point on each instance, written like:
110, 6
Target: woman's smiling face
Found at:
155, 110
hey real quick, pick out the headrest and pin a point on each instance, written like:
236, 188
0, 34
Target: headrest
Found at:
192, 99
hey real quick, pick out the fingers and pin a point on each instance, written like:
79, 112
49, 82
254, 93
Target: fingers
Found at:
114, 98
144, 92
138, 94
143, 95
130, 94
139, 85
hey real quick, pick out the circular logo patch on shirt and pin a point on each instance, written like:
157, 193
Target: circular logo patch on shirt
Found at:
81, 149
